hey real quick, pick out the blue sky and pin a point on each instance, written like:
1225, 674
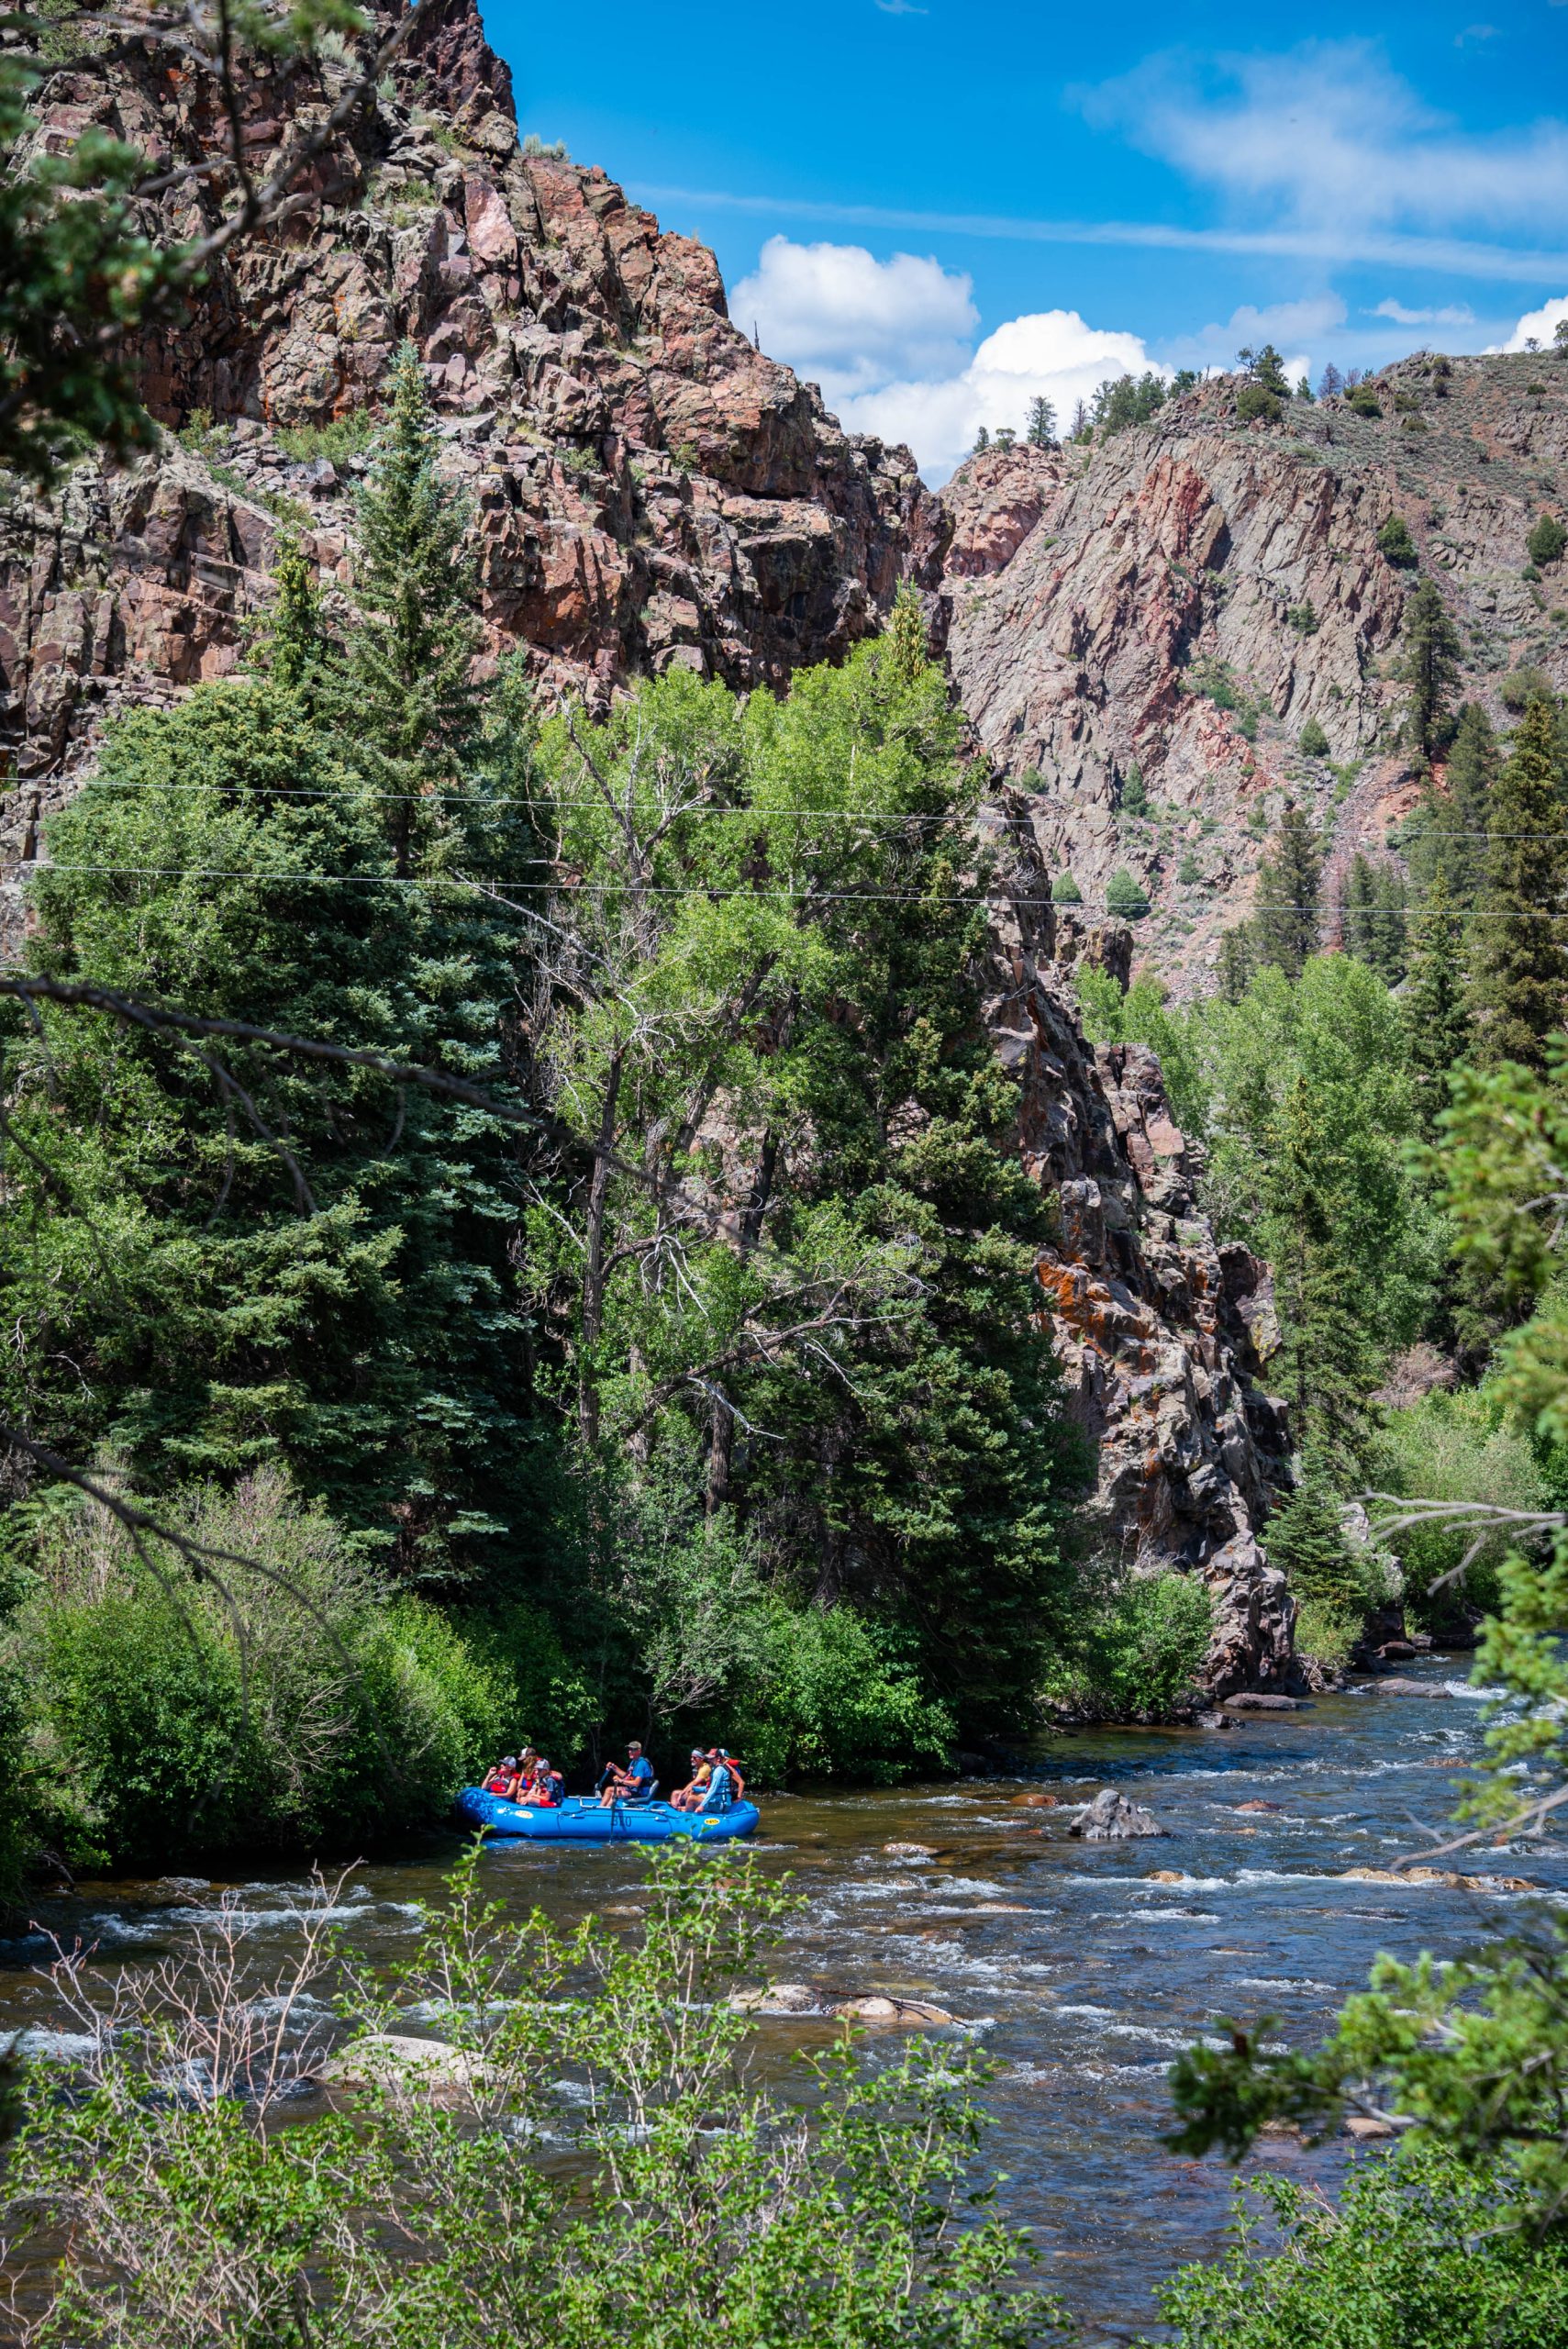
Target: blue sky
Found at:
935, 211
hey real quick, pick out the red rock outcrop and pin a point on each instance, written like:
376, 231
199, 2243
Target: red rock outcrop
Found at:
649, 489
1177, 602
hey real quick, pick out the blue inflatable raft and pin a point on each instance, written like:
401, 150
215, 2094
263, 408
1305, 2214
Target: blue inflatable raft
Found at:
580, 1820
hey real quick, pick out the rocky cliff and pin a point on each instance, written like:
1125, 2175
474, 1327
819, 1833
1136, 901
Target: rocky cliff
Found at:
648, 489
1164, 1337
1168, 609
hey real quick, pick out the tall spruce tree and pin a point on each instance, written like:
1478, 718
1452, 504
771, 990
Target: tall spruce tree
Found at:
1289, 896
406, 700
1435, 1005
1429, 666
1238, 961
1446, 839
1328, 1360
1522, 959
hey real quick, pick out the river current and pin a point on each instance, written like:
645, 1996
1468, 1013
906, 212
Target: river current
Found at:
1081, 1968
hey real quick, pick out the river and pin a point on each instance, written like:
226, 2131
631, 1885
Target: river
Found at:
1077, 1968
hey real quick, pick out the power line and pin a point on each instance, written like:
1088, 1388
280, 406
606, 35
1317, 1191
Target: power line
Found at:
486, 883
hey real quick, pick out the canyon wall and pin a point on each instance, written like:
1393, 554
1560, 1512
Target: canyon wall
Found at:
1165, 611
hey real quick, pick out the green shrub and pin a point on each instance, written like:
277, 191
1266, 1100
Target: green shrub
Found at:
1303, 618
1135, 1652
1417, 2254
751, 2204
165, 1717
1395, 543
840, 1694
1521, 686
1454, 1447
1255, 403
1312, 742
1134, 794
1064, 891
345, 436
1189, 872
1363, 400
1547, 541
1125, 898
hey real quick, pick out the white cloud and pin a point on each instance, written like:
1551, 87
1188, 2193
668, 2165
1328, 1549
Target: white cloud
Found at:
1537, 325
1053, 353
1452, 314
1288, 325
891, 344
850, 322
1331, 139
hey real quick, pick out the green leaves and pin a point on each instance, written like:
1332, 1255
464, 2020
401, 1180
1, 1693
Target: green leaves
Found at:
607, 2163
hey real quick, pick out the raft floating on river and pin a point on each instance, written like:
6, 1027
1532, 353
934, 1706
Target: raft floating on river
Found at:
580, 1820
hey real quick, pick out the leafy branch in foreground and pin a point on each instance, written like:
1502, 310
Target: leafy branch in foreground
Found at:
590, 2153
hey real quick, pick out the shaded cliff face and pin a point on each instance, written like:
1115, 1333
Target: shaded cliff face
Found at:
1102, 606
1164, 1337
648, 489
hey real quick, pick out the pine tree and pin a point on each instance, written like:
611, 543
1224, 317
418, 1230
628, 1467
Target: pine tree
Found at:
981, 441
1430, 667
1289, 891
1471, 773
1306, 1539
1328, 1359
1042, 423
1357, 894
289, 645
407, 703
1448, 831
1237, 962
1522, 988
1390, 955
1434, 1005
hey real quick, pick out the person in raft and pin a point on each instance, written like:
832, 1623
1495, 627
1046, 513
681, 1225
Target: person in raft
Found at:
546, 1789
503, 1779
720, 1792
634, 1784
690, 1796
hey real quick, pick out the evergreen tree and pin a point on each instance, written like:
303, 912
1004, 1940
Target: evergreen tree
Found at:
1435, 1008
1522, 989
407, 702
1237, 962
1357, 899
1448, 834
1329, 382
1043, 422
1306, 1538
289, 644
1328, 1360
1430, 668
1289, 892
981, 441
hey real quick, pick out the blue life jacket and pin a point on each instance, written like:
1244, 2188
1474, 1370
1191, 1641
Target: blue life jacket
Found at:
720, 1789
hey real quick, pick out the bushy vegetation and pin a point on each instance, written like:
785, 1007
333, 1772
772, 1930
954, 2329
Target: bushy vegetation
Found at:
1135, 1650
284, 1705
698, 2205
1417, 2253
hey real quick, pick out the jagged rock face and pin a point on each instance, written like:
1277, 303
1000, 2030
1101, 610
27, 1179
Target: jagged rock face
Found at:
1088, 595
1164, 1337
650, 490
